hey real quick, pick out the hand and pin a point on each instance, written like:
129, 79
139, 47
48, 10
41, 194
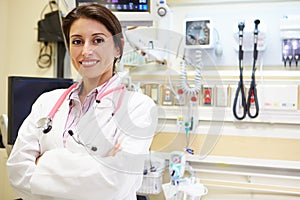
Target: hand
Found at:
114, 150
38, 158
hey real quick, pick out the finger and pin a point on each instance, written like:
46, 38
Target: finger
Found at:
114, 150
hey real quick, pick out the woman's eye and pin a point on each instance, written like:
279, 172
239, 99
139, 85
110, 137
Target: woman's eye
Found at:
76, 42
99, 40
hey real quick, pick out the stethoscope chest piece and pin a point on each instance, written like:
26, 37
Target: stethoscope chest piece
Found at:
45, 124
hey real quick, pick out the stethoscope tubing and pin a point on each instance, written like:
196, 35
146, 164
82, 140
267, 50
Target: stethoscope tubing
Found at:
121, 87
48, 120
60, 101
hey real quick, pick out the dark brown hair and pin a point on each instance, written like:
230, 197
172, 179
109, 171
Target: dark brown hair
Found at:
99, 13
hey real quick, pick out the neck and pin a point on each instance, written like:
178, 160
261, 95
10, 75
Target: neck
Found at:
90, 84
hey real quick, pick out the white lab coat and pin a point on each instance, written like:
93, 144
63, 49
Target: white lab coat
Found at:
73, 172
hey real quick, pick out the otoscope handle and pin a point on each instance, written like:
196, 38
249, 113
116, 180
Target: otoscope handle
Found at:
241, 27
255, 52
256, 22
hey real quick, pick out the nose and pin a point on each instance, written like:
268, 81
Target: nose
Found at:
87, 49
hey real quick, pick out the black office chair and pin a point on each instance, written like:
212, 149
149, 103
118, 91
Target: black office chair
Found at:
3, 130
142, 197
138, 197
1, 143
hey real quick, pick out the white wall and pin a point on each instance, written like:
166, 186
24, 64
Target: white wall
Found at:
3, 71
18, 53
3, 52
19, 49
19, 46
22, 37
226, 16
6, 191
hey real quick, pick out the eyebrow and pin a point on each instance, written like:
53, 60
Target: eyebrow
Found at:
94, 34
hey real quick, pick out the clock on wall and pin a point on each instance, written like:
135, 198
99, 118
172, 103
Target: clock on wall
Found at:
198, 33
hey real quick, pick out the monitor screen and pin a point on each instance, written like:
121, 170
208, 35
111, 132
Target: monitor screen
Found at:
121, 5
22, 93
138, 12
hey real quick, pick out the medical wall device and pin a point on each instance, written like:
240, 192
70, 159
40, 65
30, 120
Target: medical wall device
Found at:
242, 105
176, 165
49, 28
198, 33
290, 39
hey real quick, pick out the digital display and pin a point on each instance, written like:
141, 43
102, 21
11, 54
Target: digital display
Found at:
22, 93
121, 5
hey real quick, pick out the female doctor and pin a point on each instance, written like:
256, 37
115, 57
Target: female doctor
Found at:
97, 135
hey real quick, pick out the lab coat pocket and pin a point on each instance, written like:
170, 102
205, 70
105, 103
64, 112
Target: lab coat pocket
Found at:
96, 132
106, 120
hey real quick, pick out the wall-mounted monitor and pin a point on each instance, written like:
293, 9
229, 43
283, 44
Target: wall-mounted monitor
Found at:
22, 93
129, 12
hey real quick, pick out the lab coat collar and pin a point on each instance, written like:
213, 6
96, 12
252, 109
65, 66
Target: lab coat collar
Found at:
114, 81
110, 99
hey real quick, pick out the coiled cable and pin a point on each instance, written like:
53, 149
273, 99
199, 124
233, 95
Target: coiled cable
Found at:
192, 91
240, 89
44, 59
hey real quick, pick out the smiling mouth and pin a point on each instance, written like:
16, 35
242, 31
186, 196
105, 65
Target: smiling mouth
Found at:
88, 63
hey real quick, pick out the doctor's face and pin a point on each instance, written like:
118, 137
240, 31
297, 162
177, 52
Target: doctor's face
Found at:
92, 49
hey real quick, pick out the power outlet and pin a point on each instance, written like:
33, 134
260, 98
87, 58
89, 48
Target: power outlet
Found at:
207, 96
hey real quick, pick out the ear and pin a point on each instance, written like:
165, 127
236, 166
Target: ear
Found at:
118, 51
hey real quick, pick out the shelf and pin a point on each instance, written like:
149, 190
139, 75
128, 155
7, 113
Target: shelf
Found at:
225, 115
244, 173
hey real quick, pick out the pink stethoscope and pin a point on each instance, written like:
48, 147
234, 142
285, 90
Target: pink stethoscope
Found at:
46, 122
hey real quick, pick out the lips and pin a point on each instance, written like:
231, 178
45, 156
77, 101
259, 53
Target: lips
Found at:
88, 63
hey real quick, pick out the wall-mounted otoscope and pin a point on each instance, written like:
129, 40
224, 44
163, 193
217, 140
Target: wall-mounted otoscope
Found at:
240, 92
240, 89
252, 94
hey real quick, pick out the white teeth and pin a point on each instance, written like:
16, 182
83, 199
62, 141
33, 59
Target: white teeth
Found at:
88, 63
